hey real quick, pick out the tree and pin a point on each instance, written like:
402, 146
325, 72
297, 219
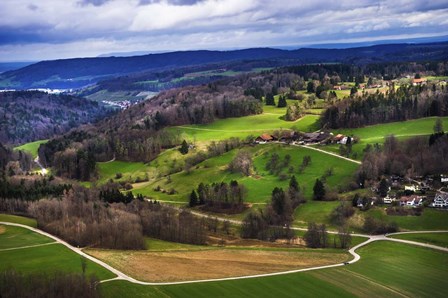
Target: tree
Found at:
282, 102
319, 190
383, 188
184, 147
438, 126
242, 163
270, 101
310, 87
293, 184
345, 239
353, 91
193, 198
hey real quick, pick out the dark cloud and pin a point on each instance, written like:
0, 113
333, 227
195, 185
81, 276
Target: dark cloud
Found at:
173, 2
93, 2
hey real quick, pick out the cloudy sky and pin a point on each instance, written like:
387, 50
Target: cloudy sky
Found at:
50, 29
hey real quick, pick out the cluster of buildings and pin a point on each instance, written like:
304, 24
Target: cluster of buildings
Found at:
293, 137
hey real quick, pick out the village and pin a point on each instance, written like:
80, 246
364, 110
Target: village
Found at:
410, 192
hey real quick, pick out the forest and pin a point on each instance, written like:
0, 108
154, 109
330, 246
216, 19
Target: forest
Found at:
32, 115
407, 102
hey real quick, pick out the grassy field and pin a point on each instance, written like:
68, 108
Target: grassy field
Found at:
259, 185
11, 236
376, 133
31, 147
19, 219
440, 239
53, 258
386, 269
245, 126
431, 219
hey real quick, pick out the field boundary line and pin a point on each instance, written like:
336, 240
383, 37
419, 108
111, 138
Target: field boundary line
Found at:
28, 246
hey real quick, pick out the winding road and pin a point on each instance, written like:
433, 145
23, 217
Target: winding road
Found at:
123, 276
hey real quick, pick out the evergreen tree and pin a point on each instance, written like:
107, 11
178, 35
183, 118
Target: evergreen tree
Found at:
319, 190
353, 91
438, 126
282, 102
184, 147
383, 188
310, 87
270, 101
193, 199
293, 184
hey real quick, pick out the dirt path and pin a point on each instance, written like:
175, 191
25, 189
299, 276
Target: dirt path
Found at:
330, 153
123, 276
28, 246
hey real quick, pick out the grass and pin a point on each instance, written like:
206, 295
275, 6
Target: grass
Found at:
245, 126
32, 147
15, 237
53, 258
431, 219
19, 219
376, 133
314, 211
261, 184
386, 269
439, 239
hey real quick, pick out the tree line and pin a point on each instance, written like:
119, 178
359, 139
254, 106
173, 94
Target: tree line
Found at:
407, 102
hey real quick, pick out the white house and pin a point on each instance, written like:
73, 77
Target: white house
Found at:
388, 200
413, 188
411, 201
440, 200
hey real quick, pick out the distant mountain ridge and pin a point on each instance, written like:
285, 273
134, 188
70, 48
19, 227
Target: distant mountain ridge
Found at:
79, 72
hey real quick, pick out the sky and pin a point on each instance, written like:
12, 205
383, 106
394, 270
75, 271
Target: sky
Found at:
55, 29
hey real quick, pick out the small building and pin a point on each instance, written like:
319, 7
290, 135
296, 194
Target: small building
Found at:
419, 82
411, 188
315, 137
264, 138
440, 200
338, 138
388, 200
411, 201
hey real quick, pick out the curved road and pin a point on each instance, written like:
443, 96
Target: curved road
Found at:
123, 276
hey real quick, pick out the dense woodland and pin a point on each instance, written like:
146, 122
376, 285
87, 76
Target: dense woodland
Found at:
407, 102
27, 116
411, 157
14, 162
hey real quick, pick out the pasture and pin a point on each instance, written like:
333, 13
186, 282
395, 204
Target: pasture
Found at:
439, 239
31, 147
52, 257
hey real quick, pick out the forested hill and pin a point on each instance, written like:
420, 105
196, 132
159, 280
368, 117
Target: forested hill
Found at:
31, 115
73, 73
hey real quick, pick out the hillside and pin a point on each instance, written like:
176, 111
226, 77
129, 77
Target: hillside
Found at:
32, 115
79, 72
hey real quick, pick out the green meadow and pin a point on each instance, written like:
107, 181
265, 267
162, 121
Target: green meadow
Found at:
261, 183
32, 147
52, 257
376, 133
439, 239
19, 219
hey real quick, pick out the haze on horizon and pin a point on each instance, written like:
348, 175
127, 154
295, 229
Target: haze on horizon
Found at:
53, 29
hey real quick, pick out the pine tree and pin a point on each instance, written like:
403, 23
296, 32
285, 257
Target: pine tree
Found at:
184, 147
282, 102
319, 190
270, 101
383, 188
193, 199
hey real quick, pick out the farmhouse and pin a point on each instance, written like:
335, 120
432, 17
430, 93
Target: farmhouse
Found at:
418, 82
412, 201
315, 137
440, 200
264, 138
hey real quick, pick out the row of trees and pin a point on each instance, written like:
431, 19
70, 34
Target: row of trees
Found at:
218, 197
